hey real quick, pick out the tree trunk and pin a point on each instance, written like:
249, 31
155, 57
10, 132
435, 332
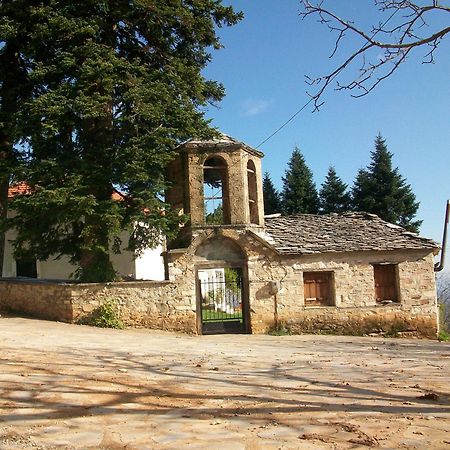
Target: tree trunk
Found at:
4, 185
95, 262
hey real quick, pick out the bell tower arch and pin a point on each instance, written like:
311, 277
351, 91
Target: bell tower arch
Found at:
218, 183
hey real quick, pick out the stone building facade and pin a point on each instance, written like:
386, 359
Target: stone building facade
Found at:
343, 273
231, 269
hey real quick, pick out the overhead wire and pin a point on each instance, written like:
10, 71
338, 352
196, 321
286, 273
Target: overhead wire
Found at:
312, 98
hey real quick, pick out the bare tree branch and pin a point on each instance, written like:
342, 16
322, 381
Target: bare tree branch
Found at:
406, 27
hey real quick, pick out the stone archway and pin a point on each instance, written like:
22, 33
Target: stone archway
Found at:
222, 287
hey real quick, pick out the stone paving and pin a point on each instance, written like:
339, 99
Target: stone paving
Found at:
74, 387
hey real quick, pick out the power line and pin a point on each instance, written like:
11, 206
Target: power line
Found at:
285, 123
312, 98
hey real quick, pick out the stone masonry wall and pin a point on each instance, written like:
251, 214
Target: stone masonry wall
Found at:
275, 293
39, 299
236, 162
157, 305
355, 310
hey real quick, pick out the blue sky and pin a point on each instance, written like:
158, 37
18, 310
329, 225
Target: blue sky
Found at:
263, 68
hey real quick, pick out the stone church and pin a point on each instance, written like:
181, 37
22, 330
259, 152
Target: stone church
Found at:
234, 270
316, 273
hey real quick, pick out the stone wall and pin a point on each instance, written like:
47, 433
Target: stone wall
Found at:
235, 189
275, 293
354, 309
39, 299
156, 305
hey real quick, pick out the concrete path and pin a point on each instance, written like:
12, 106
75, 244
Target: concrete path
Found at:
66, 386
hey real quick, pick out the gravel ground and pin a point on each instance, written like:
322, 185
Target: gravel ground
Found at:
75, 387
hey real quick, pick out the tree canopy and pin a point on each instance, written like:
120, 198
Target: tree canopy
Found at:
381, 190
333, 195
115, 86
14, 88
299, 193
272, 200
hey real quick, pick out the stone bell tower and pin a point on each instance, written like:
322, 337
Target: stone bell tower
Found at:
218, 183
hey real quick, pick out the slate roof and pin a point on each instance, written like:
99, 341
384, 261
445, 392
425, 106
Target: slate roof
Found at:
347, 232
222, 142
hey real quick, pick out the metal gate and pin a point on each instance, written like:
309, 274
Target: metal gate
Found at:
221, 300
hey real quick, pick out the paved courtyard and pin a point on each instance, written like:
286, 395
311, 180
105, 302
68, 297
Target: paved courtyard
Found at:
66, 386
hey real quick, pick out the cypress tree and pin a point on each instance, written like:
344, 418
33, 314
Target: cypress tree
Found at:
299, 191
117, 85
272, 200
333, 195
381, 190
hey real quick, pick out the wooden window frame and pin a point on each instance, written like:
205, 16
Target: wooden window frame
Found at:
386, 283
318, 282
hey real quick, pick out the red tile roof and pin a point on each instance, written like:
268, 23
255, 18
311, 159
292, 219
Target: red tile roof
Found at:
23, 188
17, 189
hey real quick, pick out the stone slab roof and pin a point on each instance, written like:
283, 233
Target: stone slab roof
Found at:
222, 141
347, 232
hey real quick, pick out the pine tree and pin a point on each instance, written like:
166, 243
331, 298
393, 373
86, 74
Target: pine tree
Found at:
333, 195
272, 200
13, 90
299, 191
381, 190
117, 85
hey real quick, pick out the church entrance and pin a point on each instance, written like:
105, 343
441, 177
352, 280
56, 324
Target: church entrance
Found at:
221, 300
221, 284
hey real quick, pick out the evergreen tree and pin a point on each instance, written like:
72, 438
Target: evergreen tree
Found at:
117, 85
14, 29
272, 200
381, 190
333, 195
299, 191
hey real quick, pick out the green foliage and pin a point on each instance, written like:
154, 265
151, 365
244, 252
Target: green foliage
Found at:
216, 217
281, 329
233, 280
116, 87
299, 191
14, 89
233, 276
381, 190
443, 336
333, 195
272, 199
106, 316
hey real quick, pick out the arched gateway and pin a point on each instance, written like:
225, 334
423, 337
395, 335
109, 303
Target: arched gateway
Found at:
222, 296
218, 184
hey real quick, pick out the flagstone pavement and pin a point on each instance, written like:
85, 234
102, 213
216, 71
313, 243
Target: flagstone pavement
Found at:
75, 387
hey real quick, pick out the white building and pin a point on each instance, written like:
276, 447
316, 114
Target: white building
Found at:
147, 266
